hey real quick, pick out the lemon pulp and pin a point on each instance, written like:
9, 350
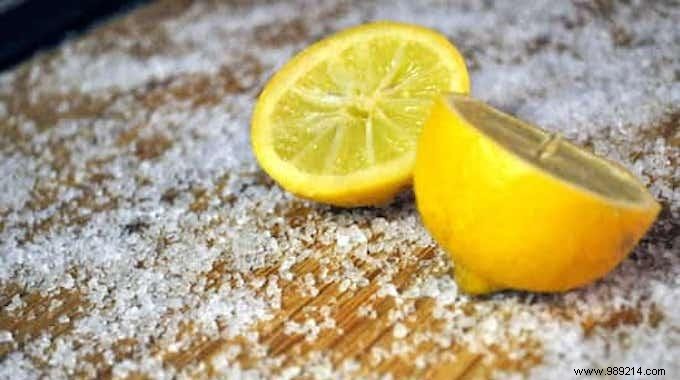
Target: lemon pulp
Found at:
339, 123
552, 153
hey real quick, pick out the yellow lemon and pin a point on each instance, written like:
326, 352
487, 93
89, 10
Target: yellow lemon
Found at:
517, 207
339, 122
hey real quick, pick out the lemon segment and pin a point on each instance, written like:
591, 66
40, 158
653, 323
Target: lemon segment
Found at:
339, 123
517, 207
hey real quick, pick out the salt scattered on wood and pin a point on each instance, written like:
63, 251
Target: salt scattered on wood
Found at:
560, 65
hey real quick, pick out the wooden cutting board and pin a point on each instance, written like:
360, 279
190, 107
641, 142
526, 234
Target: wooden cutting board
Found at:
139, 239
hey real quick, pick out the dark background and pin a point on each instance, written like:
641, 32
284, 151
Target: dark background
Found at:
27, 26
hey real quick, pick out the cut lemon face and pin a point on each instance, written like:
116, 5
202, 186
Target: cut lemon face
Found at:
339, 122
517, 207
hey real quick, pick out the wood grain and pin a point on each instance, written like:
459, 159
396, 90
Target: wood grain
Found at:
353, 339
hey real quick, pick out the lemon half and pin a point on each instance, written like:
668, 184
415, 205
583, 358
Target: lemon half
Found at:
517, 207
339, 122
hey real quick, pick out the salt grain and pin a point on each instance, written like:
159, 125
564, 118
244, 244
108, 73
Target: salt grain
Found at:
6, 336
400, 331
